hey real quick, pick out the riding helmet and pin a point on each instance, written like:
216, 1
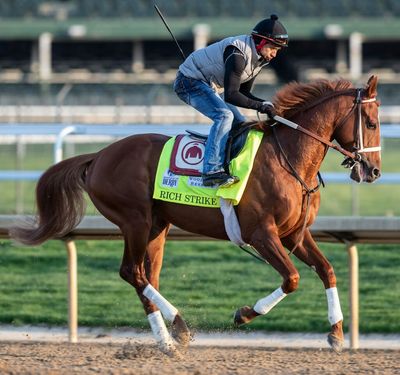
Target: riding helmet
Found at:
270, 30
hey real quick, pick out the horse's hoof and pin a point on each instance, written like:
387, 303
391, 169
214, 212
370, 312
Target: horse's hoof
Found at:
244, 315
335, 343
180, 332
169, 349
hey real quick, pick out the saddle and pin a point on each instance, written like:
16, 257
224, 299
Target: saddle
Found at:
235, 143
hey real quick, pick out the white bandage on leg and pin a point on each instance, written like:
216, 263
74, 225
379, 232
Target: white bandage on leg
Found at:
169, 312
160, 331
266, 304
334, 311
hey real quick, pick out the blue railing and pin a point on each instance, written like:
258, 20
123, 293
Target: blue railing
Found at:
61, 131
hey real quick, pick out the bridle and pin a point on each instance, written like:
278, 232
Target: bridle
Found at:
352, 157
352, 160
359, 147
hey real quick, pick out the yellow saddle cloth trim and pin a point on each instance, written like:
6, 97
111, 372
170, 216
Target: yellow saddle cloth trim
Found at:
191, 191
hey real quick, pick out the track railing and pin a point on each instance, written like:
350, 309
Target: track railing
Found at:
60, 132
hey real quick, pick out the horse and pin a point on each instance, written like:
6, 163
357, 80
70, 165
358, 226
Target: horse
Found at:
278, 206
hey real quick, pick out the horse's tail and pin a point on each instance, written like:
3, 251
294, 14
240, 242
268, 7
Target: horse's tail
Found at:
59, 200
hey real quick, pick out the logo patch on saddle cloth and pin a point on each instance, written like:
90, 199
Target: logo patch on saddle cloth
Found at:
187, 156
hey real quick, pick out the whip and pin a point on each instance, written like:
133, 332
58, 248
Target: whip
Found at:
168, 28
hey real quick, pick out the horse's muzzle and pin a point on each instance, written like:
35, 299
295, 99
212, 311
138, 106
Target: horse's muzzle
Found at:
364, 172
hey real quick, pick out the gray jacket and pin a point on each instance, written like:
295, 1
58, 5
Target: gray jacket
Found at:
207, 64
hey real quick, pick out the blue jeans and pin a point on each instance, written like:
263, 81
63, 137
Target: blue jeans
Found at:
202, 97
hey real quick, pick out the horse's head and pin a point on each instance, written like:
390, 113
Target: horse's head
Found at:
359, 132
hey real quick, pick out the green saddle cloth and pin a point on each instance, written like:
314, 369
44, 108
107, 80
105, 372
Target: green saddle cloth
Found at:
190, 190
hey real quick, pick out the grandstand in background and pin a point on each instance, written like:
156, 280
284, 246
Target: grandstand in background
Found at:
117, 53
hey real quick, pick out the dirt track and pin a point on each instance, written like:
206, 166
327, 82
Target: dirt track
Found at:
139, 359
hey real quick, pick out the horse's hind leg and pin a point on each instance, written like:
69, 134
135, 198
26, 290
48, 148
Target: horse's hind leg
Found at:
309, 253
153, 264
133, 271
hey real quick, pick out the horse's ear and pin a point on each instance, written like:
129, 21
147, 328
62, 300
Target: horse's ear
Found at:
371, 87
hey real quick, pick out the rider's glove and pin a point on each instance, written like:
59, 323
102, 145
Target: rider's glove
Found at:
268, 109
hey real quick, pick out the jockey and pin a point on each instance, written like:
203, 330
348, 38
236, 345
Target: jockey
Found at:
230, 66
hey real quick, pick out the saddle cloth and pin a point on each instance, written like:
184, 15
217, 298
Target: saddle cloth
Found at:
188, 188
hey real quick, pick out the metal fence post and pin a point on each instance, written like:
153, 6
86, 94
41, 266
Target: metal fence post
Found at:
353, 296
58, 145
72, 291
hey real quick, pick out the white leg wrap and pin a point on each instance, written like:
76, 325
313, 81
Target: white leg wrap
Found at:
169, 312
160, 331
334, 311
267, 303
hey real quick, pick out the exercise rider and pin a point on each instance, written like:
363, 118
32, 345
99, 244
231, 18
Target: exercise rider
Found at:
229, 66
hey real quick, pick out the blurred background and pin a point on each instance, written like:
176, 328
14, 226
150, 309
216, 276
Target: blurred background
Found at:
117, 53
112, 62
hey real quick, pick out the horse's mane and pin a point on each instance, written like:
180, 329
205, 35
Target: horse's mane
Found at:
294, 96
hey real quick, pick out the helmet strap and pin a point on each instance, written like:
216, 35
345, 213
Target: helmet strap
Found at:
260, 45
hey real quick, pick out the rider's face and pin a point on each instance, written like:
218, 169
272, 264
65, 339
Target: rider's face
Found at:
269, 51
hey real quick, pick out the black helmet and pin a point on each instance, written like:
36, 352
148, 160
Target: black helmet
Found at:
270, 30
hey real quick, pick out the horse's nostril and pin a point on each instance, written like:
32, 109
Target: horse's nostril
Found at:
376, 172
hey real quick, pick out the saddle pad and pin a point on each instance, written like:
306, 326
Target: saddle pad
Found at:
190, 190
187, 156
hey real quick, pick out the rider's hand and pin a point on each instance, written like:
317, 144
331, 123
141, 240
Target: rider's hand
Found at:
268, 109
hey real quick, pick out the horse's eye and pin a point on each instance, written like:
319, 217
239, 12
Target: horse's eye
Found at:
370, 124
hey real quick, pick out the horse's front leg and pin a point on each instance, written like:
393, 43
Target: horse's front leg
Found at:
271, 249
308, 252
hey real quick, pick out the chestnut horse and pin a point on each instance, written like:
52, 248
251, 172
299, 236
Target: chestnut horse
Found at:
276, 210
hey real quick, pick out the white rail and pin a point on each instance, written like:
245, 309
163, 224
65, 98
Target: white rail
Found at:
125, 114
59, 132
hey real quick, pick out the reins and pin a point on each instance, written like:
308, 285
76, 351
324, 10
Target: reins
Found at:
303, 184
316, 136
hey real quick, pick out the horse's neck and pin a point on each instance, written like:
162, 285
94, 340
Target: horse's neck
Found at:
305, 153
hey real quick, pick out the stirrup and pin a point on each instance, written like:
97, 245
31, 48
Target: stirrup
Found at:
220, 179
230, 181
